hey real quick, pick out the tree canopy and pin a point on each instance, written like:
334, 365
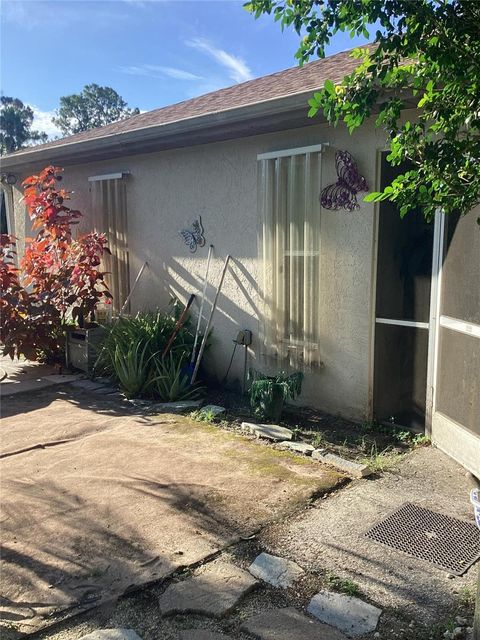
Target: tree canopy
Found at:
16, 126
94, 107
425, 55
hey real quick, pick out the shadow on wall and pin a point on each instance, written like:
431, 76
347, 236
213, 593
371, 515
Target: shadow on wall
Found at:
231, 314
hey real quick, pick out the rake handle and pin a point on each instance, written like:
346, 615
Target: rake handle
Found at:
178, 326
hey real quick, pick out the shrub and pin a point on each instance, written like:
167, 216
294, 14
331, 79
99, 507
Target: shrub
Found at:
131, 355
170, 382
268, 393
58, 279
131, 365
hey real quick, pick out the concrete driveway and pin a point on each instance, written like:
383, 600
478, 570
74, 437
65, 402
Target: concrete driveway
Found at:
97, 500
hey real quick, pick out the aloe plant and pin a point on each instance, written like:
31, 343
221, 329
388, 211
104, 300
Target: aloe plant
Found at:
169, 380
131, 365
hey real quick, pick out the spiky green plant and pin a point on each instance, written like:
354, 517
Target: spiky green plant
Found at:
131, 365
169, 381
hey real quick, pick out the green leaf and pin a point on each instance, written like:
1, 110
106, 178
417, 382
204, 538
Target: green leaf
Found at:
373, 196
329, 87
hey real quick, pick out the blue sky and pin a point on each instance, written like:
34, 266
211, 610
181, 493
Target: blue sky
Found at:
153, 52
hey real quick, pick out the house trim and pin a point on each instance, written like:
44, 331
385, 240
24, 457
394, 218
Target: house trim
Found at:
267, 116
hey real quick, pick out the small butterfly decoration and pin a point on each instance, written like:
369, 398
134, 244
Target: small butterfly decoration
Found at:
343, 194
194, 238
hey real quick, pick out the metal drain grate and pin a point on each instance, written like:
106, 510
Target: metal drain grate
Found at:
450, 544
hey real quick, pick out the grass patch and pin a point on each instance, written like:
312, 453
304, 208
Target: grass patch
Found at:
380, 461
319, 440
342, 585
203, 415
466, 597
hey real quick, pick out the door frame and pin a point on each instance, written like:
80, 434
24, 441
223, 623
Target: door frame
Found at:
433, 330
448, 435
437, 257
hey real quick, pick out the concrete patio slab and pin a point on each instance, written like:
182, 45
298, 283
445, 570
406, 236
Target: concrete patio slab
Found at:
126, 501
22, 376
331, 536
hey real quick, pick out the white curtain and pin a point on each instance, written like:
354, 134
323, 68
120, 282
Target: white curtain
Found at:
109, 204
289, 207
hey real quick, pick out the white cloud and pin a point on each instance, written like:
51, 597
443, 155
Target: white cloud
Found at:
42, 121
238, 70
157, 71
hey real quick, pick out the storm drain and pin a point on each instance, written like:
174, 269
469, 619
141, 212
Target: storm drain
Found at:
450, 544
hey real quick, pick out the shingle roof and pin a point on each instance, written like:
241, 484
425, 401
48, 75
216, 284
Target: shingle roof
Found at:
277, 85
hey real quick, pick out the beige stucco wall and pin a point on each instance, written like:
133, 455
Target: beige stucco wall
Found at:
169, 189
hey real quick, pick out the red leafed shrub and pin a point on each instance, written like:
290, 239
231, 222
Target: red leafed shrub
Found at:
58, 279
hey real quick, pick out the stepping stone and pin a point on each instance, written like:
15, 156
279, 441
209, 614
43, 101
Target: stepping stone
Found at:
106, 390
87, 385
347, 466
288, 624
298, 447
61, 378
351, 615
214, 409
278, 572
175, 407
269, 431
202, 634
213, 592
112, 634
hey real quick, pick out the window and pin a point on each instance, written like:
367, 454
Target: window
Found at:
4, 212
289, 189
109, 205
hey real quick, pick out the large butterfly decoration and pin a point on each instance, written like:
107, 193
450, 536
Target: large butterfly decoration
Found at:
343, 194
194, 238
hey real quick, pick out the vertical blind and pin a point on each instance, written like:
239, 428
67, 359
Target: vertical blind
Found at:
109, 204
289, 188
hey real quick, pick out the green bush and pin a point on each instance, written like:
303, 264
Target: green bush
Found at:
169, 381
131, 356
131, 366
268, 393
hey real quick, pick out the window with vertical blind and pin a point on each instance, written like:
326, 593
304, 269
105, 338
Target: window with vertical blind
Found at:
109, 206
289, 185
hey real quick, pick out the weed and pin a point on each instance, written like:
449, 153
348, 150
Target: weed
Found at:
318, 439
421, 440
402, 436
466, 597
380, 461
343, 585
203, 415
370, 426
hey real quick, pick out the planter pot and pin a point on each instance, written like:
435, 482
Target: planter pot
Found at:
83, 347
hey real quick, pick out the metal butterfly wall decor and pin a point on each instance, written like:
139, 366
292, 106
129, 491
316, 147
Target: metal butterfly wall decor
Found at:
194, 238
343, 194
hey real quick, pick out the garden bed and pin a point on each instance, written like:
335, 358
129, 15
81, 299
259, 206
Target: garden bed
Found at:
370, 443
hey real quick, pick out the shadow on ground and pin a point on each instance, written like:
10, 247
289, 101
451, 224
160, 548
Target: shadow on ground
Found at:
127, 500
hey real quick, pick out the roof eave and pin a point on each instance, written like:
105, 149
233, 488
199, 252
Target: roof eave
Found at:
252, 119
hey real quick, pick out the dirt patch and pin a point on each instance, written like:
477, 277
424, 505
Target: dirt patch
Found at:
129, 500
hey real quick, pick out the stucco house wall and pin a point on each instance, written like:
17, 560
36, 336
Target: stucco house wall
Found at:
167, 190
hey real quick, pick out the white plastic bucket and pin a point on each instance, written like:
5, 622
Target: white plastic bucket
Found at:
475, 500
